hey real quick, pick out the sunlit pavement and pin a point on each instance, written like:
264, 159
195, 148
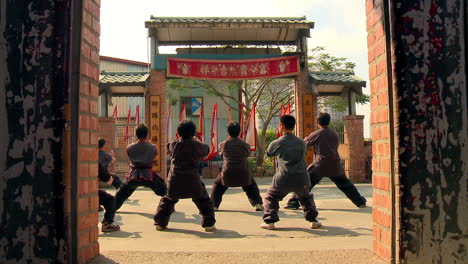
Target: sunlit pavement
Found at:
344, 225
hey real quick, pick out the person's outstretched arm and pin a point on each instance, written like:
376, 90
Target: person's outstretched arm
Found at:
311, 139
272, 149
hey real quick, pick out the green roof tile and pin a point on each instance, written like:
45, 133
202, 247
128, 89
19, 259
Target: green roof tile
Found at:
284, 20
123, 78
337, 78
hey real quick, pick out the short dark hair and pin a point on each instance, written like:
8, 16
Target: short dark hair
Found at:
323, 119
141, 131
233, 129
101, 142
186, 129
288, 121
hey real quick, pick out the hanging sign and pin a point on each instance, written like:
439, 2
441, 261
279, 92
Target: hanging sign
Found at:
233, 69
155, 129
308, 122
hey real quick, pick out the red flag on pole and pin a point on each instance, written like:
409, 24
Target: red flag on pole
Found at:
287, 110
241, 112
114, 113
169, 124
137, 114
214, 134
126, 127
183, 113
183, 116
230, 115
251, 131
278, 134
200, 125
116, 132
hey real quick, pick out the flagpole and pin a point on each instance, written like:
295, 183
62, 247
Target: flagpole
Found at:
126, 127
217, 138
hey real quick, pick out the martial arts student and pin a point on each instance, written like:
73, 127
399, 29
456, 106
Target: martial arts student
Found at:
235, 171
184, 178
108, 201
104, 159
290, 176
327, 163
141, 155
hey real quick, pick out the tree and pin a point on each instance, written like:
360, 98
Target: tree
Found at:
320, 60
267, 94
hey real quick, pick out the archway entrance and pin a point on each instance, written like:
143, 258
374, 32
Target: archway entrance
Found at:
218, 58
49, 87
236, 51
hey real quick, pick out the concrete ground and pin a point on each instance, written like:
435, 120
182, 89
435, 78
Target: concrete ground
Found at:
346, 235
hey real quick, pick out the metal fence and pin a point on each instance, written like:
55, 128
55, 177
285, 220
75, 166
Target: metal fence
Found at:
120, 145
338, 127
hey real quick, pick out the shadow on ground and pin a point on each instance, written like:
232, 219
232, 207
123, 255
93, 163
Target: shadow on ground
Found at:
218, 233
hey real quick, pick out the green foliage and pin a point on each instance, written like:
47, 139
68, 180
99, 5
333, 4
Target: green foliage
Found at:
252, 164
270, 135
362, 98
320, 60
340, 104
337, 103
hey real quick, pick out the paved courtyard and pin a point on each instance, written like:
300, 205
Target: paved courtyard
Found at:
346, 236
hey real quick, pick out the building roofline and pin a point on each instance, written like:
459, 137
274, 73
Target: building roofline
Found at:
238, 20
138, 63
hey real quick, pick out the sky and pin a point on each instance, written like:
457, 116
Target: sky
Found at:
340, 26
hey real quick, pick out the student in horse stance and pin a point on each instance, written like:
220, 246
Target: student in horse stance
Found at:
184, 178
235, 171
290, 176
327, 163
108, 201
141, 155
104, 158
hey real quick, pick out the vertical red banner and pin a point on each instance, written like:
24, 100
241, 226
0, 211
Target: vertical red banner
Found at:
214, 134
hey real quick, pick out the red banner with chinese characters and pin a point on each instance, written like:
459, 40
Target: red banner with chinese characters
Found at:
233, 69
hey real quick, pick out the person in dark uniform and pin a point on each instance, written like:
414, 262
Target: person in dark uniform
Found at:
235, 171
108, 201
290, 176
141, 155
105, 159
327, 163
184, 178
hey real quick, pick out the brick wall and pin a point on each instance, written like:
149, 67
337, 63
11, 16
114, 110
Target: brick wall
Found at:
354, 137
382, 208
88, 246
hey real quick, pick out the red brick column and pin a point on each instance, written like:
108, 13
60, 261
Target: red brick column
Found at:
377, 58
354, 136
305, 124
157, 86
88, 246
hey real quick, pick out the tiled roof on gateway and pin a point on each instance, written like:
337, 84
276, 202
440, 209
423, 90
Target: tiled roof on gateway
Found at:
337, 78
123, 78
285, 20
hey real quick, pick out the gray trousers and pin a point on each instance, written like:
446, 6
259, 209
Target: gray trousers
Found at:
203, 203
342, 182
276, 194
251, 190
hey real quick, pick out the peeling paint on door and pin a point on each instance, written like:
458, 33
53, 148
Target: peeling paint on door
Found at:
33, 90
431, 83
